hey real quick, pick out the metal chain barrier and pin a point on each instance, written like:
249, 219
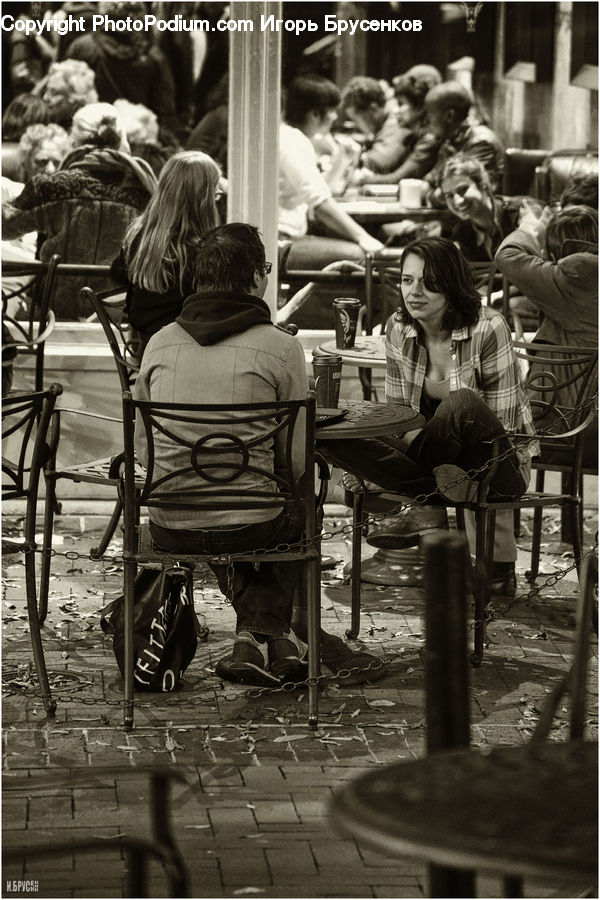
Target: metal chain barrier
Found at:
344, 531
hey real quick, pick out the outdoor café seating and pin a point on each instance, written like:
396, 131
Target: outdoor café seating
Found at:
562, 431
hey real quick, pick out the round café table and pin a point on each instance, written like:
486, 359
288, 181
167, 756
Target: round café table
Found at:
525, 811
368, 352
366, 418
397, 568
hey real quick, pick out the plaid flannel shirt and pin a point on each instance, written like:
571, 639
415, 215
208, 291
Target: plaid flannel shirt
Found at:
482, 360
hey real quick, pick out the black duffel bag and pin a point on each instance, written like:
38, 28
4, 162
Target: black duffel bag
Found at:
165, 627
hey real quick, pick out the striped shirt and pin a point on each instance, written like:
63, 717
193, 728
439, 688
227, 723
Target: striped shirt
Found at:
482, 359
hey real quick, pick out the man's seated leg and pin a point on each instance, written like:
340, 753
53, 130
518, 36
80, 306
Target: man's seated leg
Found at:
266, 650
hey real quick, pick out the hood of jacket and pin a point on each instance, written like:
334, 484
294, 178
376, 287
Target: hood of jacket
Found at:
212, 316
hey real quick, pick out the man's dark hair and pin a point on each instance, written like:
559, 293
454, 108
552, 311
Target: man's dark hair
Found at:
572, 230
446, 271
581, 190
361, 92
226, 257
309, 93
450, 95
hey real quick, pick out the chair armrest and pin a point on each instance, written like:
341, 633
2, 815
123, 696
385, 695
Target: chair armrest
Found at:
115, 465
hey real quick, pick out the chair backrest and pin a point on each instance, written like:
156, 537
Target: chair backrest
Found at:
27, 308
484, 275
216, 457
519, 175
109, 307
560, 167
382, 292
25, 422
562, 384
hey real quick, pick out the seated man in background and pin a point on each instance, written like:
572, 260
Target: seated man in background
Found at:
224, 347
305, 200
448, 106
365, 102
421, 147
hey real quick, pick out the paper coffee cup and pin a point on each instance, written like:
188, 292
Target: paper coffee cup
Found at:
328, 374
411, 191
346, 311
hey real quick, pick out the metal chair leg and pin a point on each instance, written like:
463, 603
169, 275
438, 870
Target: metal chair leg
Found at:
577, 532
160, 784
313, 588
536, 539
129, 573
100, 550
481, 583
356, 563
46, 563
34, 631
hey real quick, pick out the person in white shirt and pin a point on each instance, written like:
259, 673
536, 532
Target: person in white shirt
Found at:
308, 213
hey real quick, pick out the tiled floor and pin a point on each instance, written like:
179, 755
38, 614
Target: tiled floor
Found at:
251, 817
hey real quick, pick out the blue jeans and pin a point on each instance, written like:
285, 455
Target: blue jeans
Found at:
454, 434
262, 597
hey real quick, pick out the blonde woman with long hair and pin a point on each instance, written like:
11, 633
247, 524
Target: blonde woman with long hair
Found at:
155, 258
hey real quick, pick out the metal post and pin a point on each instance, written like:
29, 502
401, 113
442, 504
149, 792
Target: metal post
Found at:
254, 114
446, 672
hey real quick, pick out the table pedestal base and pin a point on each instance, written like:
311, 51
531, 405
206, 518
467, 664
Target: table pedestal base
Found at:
398, 568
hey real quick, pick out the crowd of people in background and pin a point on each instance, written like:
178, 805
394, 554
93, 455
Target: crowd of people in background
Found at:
147, 97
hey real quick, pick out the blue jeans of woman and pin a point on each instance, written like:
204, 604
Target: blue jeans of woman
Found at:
261, 594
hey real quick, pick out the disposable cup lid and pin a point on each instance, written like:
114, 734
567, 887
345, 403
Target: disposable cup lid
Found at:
331, 359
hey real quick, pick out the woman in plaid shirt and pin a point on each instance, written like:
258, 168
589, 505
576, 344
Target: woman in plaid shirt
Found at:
452, 361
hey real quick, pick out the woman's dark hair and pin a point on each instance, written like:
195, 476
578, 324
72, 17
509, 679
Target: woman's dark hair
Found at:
445, 270
309, 93
22, 111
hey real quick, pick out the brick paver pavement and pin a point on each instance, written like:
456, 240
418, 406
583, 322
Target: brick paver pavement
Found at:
251, 818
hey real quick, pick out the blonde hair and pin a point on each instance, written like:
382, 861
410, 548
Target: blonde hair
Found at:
140, 123
158, 243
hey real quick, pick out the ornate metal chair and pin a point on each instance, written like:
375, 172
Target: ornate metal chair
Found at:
216, 461
28, 327
26, 419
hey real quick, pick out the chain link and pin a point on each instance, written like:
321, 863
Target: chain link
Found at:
287, 687
344, 531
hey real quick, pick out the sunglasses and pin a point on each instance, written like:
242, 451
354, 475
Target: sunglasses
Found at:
267, 268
